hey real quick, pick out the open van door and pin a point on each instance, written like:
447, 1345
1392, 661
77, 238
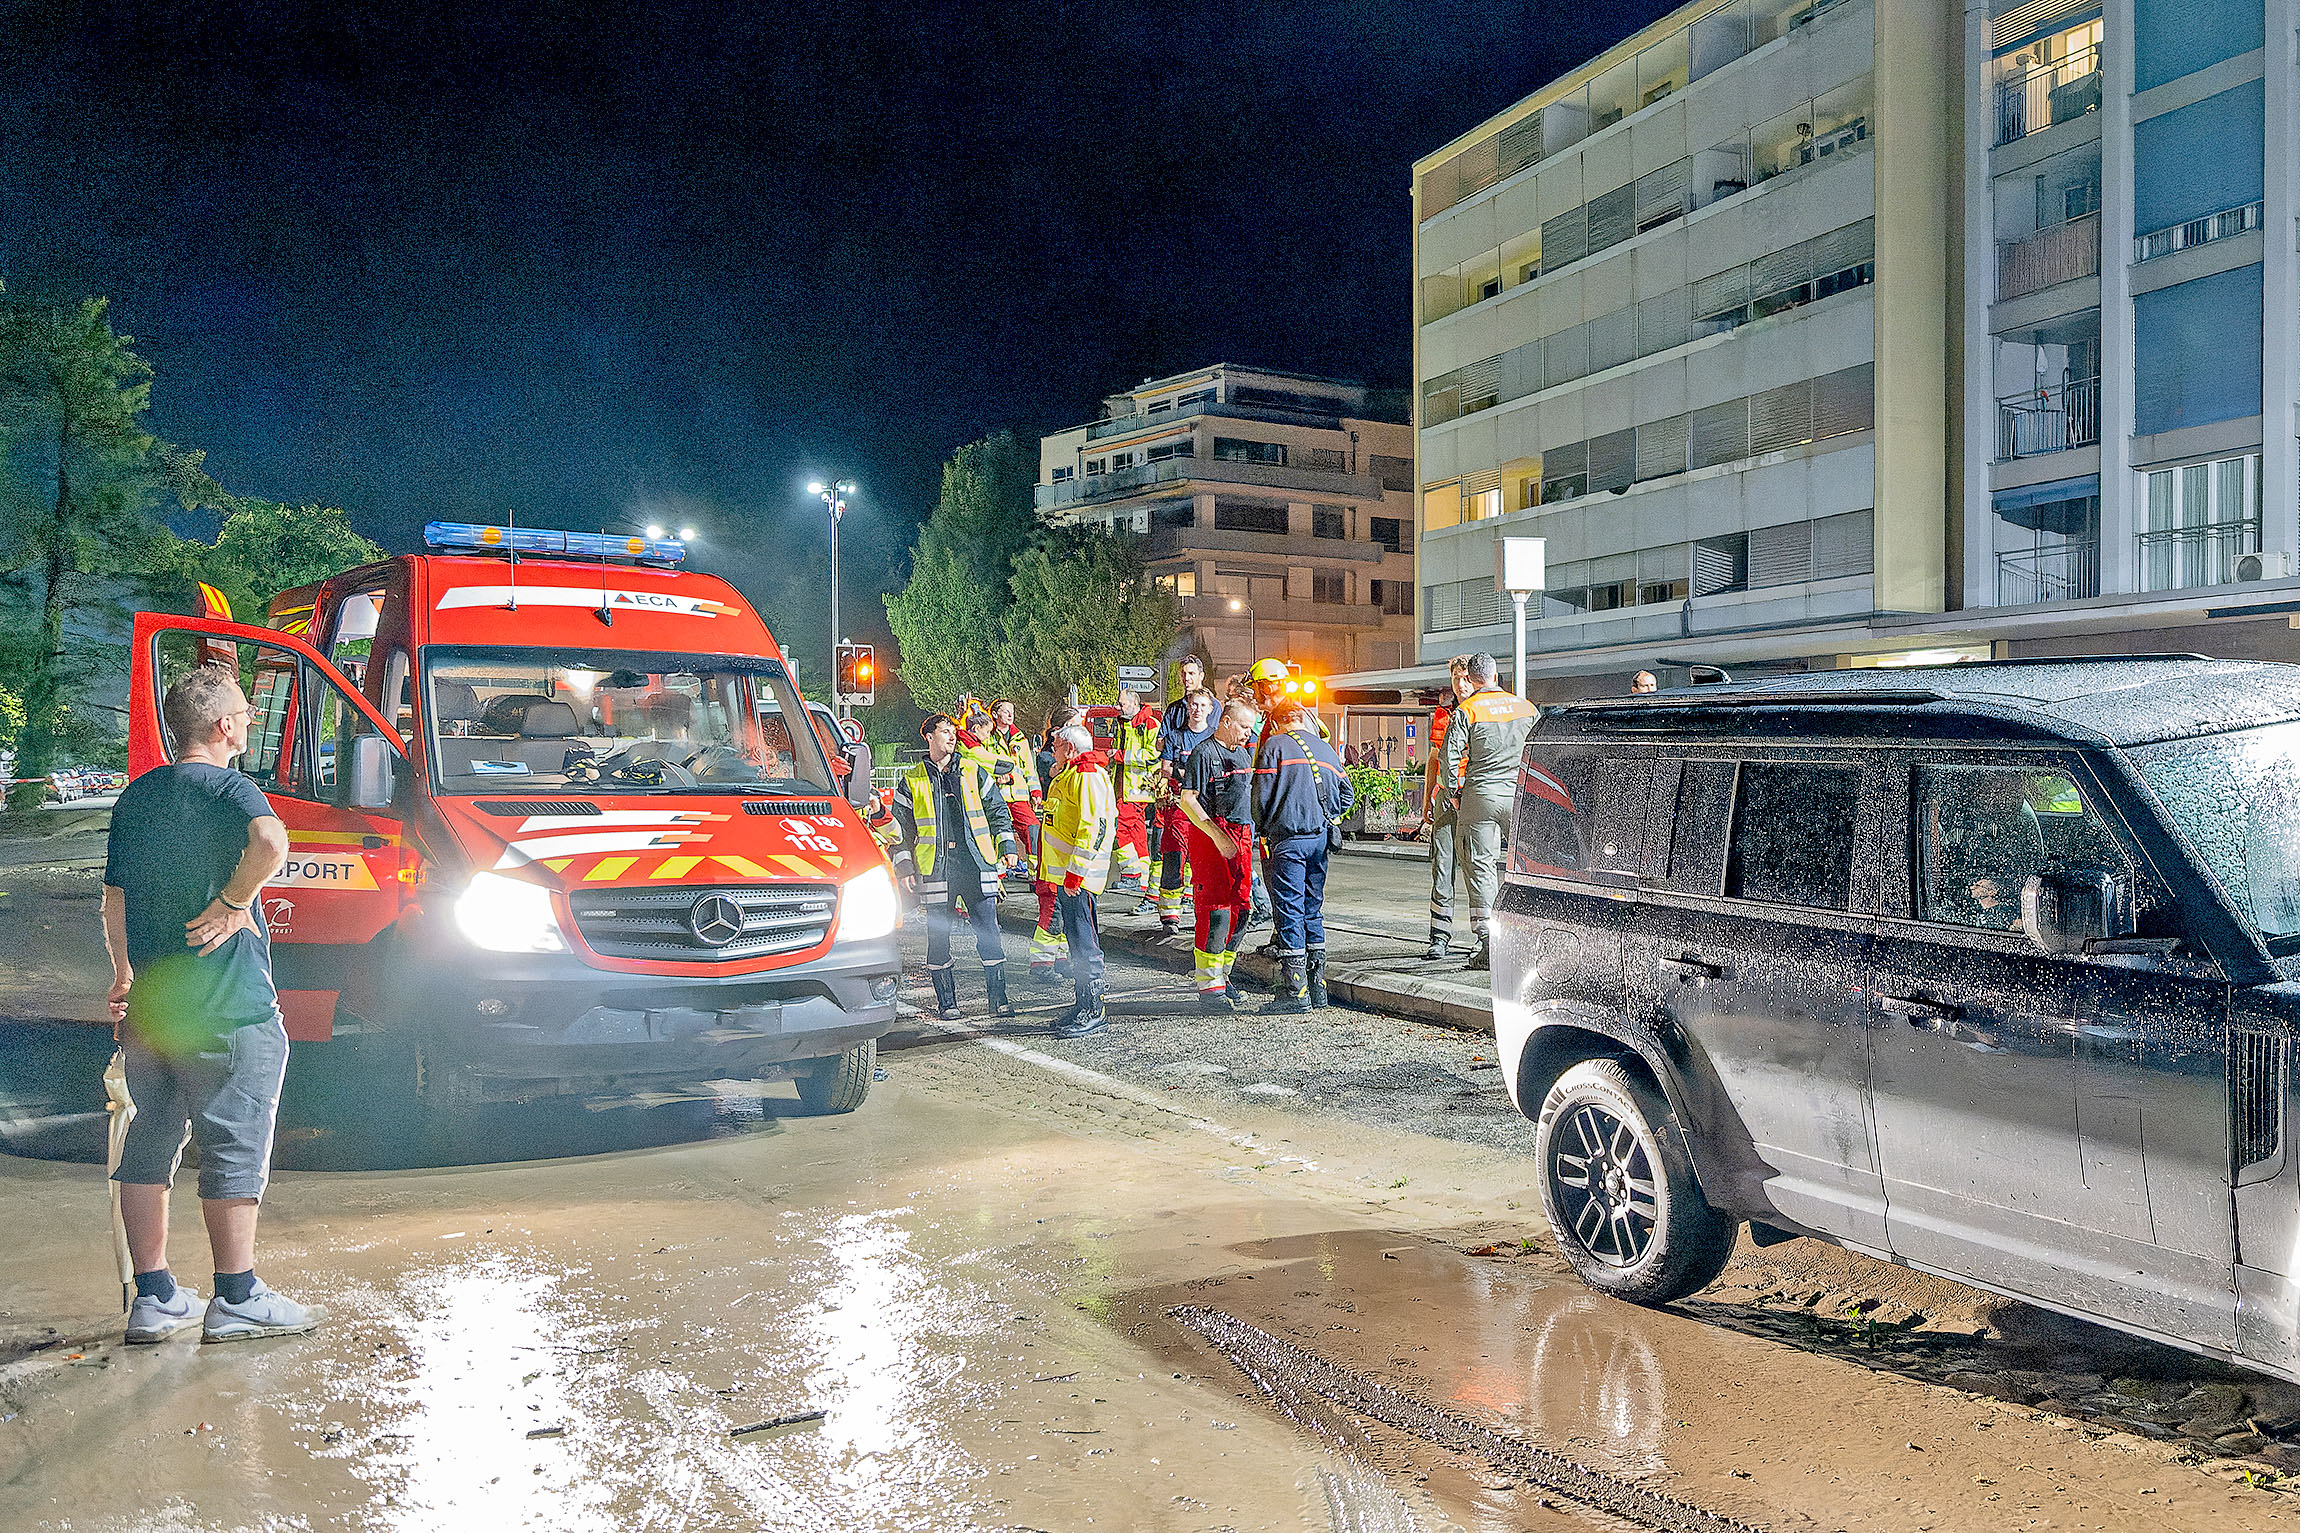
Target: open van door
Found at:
334, 772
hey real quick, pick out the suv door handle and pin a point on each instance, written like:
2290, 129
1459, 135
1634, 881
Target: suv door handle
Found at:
1690, 968
1920, 1013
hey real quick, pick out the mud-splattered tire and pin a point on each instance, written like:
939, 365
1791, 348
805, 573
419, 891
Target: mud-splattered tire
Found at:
840, 1083
1619, 1188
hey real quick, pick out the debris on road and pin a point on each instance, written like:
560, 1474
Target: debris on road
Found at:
778, 1423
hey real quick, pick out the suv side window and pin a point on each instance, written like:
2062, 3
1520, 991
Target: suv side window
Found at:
1696, 856
1981, 832
1793, 835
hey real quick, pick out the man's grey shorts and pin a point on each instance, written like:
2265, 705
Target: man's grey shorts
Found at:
226, 1097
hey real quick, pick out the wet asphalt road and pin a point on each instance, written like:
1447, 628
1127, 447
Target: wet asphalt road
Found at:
560, 1316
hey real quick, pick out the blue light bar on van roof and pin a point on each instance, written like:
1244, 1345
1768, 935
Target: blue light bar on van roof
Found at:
475, 537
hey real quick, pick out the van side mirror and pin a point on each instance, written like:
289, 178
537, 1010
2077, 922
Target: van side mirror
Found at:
858, 772
2066, 908
374, 773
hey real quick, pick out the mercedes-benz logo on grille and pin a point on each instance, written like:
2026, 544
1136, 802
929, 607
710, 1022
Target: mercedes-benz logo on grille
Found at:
715, 920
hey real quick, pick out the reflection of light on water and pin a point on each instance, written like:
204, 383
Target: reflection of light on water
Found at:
1594, 1375
458, 1421
876, 1333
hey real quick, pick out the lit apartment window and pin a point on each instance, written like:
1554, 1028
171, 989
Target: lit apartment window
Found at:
1238, 450
1441, 505
1328, 522
1330, 587
1180, 582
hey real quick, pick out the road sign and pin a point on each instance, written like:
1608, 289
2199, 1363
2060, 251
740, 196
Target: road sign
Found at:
1409, 731
1136, 677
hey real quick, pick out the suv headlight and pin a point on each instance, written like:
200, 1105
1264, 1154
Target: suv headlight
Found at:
508, 915
868, 908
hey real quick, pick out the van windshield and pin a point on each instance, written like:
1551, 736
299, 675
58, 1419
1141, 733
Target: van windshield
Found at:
616, 721
2236, 798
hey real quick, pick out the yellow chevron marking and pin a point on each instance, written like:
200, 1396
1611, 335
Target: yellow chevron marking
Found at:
737, 864
834, 860
557, 864
798, 865
675, 867
297, 838
609, 867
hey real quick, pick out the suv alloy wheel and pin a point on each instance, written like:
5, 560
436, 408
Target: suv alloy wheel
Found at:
1618, 1187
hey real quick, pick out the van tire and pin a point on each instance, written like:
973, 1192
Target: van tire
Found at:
1618, 1186
838, 1084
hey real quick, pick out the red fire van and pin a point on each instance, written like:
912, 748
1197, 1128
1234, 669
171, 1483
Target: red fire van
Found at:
559, 822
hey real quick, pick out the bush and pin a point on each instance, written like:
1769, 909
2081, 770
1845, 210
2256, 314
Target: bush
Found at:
1376, 787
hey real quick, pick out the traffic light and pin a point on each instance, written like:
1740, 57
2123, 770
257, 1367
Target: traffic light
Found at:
858, 675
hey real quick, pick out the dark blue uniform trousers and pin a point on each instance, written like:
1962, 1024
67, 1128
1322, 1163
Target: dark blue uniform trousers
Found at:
1296, 868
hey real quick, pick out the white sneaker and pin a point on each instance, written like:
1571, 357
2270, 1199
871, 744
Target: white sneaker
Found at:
151, 1320
264, 1314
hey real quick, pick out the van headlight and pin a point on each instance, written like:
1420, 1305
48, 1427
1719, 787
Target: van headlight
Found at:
868, 908
508, 915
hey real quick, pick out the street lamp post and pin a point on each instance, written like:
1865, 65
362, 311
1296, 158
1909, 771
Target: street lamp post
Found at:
1239, 604
1519, 569
834, 498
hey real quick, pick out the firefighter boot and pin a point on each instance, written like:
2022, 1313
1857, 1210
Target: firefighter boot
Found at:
1293, 997
1317, 978
945, 992
994, 983
1087, 1017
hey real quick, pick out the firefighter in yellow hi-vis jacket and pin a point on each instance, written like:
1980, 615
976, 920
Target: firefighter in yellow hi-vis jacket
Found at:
1075, 837
955, 836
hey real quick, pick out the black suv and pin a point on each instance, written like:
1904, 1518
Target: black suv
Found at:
1987, 970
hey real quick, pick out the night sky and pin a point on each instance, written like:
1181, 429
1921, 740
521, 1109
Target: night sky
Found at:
599, 261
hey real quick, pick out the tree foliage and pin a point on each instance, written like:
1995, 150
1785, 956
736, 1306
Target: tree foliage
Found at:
264, 548
78, 485
1001, 606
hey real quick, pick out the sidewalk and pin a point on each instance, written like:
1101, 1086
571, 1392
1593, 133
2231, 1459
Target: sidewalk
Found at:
1377, 923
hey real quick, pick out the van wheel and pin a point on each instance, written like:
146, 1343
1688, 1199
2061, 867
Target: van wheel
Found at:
840, 1083
1619, 1190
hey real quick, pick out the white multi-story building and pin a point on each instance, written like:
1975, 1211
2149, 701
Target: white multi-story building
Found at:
1783, 324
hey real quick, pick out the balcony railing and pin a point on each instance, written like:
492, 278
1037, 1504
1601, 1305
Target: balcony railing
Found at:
1338, 483
2197, 231
2049, 93
2066, 573
2061, 253
2176, 558
2049, 420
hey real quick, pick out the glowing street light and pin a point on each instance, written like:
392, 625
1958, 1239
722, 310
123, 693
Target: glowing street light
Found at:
834, 497
1238, 604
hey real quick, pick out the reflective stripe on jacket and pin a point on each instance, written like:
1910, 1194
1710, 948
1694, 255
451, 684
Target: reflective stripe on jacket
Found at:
1483, 742
1300, 786
1078, 824
989, 828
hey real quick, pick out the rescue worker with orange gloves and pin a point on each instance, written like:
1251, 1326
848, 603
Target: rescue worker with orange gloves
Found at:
1137, 791
1049, 950
1216, 803
955, 834
1076, 834
1176, 742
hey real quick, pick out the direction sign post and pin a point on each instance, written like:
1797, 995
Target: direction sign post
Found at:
1137, 678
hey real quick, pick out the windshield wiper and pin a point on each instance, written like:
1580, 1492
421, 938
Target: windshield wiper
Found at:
2284, 946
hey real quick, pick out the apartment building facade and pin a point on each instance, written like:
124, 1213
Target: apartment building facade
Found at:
1271, 503
2129, 380
1867, 332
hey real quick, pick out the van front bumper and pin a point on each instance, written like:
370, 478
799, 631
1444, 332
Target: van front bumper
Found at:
531, 1024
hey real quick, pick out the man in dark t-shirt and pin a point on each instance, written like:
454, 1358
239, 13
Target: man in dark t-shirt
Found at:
1216, 798
200, 1033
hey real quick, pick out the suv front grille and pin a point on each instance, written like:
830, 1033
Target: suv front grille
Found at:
658, 923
